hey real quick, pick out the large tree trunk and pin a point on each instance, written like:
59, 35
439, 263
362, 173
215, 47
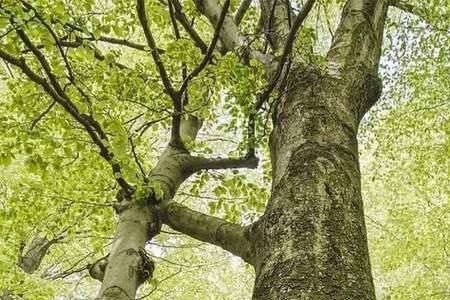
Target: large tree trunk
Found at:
313, 237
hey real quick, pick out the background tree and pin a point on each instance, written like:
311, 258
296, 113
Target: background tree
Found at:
121, 90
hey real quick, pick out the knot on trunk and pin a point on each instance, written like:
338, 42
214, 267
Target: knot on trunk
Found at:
145, 268
97, 269
365, 87
155, 224
372, 87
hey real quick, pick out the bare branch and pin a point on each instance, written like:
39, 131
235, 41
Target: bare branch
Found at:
230, 37
173, 20
245, 4
228, 236
174, 95
181, 17
31, 260
210, 50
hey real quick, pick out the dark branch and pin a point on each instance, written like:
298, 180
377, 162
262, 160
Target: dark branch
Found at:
263, 97
42, 115
174, 95
89, 124
209, 52
154, 52
245, 4
287, 49
181, 17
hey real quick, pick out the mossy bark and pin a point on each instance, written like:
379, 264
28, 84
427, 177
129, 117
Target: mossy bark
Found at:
313, 242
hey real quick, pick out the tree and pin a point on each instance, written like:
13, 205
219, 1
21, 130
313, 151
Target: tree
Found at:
260, 63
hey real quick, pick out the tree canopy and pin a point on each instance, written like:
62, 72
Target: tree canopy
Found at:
63, 159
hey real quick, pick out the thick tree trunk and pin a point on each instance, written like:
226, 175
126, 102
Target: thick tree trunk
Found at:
313, 241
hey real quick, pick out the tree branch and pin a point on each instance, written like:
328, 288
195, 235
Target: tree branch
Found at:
276, 21
263, 97
90, 125
230, 36
39, 246
200, 163
107, 39
181, 17
228, 236
415, 10
407, 7
240, 13
358, 38
287, 49
174, 95
210, 50
154, 52
42, 115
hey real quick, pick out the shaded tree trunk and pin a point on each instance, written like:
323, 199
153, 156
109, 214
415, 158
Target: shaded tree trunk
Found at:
313, 237
312, 240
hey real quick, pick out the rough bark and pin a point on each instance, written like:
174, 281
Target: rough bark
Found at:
312, 240
312, 237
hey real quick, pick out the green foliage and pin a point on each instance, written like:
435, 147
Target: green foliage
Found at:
406, 164
54, 183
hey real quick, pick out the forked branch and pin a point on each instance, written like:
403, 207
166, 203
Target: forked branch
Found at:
181, 17
207, 58
263, 97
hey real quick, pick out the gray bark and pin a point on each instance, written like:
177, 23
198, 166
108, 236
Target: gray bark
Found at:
32, 258
127, 266
312, 238
231, 237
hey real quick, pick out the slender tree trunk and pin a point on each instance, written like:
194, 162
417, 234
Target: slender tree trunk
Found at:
313, 237
128, 266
